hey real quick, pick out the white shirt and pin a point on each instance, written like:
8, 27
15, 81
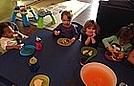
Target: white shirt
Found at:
4, 41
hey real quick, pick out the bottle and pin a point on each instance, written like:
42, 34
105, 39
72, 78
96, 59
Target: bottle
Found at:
33, 64
38, 43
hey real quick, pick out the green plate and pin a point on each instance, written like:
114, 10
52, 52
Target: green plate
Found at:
45, 79
64, 42
90, 52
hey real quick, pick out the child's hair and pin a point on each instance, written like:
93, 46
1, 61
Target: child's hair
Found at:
2, 26
68, 14
126, 32
91, 23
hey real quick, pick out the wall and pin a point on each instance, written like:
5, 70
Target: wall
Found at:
6, 8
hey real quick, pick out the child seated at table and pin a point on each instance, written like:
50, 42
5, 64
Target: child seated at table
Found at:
90, 34
9, 39
122, 39
131, 56
66, 29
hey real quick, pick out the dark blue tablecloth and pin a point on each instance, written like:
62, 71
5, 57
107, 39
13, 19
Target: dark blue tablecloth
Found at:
60, 64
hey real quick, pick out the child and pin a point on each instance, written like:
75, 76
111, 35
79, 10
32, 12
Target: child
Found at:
9, 39
66, 29
90, 34
131, 56
123, 39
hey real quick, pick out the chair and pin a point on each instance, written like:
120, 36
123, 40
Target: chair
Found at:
13, 26
78, 28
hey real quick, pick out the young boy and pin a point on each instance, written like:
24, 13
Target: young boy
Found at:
9, 38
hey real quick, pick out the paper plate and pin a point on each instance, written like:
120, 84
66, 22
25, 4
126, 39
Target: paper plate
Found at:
98, 74
64, 42
89, 52
27, 50
43, 80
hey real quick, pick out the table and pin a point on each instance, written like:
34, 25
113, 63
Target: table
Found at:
123, 70
60, 64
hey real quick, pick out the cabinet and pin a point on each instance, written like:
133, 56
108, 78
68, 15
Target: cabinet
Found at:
112, 16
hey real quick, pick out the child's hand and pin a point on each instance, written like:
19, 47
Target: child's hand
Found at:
121, 55
88, 33
15, 34
110, 49
72, 40
93, 40
19, 46
56, 33
94, 34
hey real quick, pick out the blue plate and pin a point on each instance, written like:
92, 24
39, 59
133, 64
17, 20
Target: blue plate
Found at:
27, 50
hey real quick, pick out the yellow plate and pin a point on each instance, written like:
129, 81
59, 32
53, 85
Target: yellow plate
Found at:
64, 42
45, 80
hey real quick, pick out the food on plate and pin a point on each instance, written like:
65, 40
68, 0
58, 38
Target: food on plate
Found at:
85, 52
38, 82
90, 53
64, 41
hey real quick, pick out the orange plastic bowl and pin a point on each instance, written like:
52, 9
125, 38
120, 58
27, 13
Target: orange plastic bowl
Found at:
97, 74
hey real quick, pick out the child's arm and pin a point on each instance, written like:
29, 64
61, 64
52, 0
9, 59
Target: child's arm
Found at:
87, 41
75, 33
18, 47
56, 31
108, 40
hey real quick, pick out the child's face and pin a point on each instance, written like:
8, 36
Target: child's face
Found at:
66, 22
8, 32
131, 57
90, 31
